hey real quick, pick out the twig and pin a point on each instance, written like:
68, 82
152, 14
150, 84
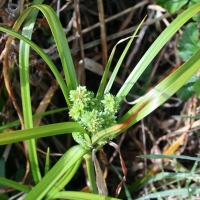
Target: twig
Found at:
122, 33
116, 16
78, 22
103, 33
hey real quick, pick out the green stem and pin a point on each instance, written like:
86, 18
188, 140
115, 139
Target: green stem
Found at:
90, 172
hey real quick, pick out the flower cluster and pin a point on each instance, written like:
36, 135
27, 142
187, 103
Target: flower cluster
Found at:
92, 114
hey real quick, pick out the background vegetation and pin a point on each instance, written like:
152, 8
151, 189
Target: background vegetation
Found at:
172, 129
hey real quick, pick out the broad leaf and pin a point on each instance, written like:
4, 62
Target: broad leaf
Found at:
189, 43
171, 5
188, 89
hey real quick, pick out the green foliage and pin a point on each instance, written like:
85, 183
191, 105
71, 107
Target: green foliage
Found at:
196, 17
196, 87
95, 116
189, 42
144, 85
157, 156
187, 46
188, 89
175, 5
171, 5
4, 197
92, 114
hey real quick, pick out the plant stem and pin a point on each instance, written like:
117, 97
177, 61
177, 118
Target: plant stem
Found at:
90, 172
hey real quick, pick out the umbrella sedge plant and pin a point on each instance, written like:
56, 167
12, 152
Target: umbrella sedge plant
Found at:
94, 116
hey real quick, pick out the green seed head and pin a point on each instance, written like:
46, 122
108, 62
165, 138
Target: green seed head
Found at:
92, 114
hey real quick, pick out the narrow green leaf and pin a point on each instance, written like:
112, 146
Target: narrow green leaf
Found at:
17, 122
40, 131
45, 58
154, 98
47, 162
155, 48
156, 156
114, 74
175, 192
63, 181
165, 89
192, 172
24, 50
187, 116
82, 196
196, 17
72, 156
48, 61
62, 45
168, 175
14, 185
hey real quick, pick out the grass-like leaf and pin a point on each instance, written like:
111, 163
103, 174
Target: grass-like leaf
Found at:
45, 58
153, 98
62, 45
40, 131
156, 47
15, 185
24, 50
153, 156
83, 196
116, 69
72, 156
175, 192
63, 181
17, 122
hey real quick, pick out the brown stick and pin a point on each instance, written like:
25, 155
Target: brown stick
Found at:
103, 33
